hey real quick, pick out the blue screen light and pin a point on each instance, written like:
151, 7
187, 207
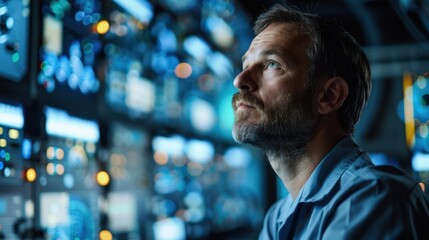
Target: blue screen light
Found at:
172, 145
237, 157
11, 116
3, 206
26, 148
221, 65
420, 162
196, 47
59, 123
220, 31
169, 228
200, 151
141, 9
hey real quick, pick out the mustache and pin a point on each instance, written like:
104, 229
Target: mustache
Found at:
248, 98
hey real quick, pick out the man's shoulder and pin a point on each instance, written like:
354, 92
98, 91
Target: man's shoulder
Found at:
380, 179
377, 201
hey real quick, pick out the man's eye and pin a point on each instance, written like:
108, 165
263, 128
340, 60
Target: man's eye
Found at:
273, 65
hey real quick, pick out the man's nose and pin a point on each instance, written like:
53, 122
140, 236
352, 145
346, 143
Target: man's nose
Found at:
246, 80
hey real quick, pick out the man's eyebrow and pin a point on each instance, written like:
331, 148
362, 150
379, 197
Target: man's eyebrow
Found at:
269, 52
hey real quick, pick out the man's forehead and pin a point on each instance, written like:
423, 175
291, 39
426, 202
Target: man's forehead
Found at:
276, 39
279, 28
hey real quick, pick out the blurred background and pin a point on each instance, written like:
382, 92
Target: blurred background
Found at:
115, 115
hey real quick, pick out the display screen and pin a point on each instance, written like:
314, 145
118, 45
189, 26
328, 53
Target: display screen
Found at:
129, 166
128, 161
169, 228
202, 183
69, 51
127, 91
14, 39
68, 55
130, 89
61, 124
122, 211
67, 188
68, 159
11, 115
11, 209
11, 136
67, 215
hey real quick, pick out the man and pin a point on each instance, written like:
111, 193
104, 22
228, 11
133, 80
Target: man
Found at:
301, 91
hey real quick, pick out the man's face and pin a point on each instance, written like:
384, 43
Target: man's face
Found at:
273, 106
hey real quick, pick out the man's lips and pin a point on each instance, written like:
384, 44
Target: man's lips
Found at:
241, 104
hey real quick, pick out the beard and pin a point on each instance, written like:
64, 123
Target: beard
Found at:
283, 130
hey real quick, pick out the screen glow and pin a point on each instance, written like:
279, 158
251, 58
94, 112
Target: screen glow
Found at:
122, 211
169, 228
11, 116
54, 209
420, 162
200, 151
141, 9
60, 123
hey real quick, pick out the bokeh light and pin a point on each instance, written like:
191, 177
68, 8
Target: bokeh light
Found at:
183, 70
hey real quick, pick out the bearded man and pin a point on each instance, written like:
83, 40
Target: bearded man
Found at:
301, 92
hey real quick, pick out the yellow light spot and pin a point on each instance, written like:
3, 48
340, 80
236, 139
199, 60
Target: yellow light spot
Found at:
102, 27
105, 235
161, 158
183, 70
140, 25
50, 153
30, 175
60, 169
103, 178
3, 142
59, 153
1, 130
408, 109
50, 168
13, 134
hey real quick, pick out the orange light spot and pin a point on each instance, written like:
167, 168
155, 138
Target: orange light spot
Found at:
183, 70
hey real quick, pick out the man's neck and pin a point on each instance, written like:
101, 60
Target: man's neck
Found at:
295, 172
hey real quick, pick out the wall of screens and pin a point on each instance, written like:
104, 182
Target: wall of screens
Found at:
115, 121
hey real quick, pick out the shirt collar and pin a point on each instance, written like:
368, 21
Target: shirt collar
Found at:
323, 179
329, 170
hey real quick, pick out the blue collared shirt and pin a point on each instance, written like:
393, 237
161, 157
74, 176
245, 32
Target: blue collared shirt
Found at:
347, 197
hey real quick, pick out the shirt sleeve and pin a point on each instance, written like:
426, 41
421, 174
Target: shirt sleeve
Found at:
377, 210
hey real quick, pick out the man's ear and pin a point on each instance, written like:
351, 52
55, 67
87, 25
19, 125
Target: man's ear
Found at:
332, 95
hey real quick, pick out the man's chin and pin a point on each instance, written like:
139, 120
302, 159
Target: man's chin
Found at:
243, 135
238, 135
235, 136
